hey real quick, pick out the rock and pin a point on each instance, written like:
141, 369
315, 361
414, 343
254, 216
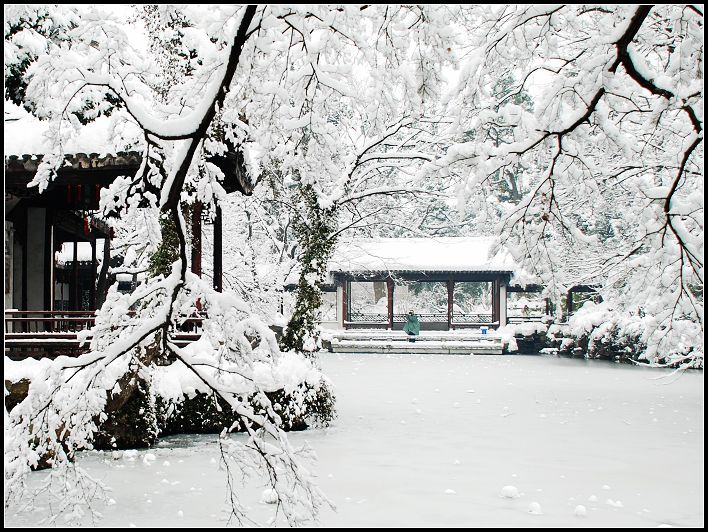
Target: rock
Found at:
269, 496
510, 492
535, 509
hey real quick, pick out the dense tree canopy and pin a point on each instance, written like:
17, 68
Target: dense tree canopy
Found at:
611, 152
574, 133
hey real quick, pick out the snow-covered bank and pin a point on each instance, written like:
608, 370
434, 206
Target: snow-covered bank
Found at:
173, 400
599, 332
435, 441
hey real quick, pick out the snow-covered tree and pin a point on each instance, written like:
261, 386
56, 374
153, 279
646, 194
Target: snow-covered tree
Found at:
264, 85
612, 150
336, 110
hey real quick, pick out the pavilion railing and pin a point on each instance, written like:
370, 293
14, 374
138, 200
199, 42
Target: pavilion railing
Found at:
368, 317
41, 321
63, 321
429, 317
524, 319
39, 333
471, 318
423, 316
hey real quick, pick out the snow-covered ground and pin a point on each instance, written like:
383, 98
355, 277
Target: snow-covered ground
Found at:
458, 441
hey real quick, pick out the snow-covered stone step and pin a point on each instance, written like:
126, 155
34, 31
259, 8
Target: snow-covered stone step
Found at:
424, 336
431, 347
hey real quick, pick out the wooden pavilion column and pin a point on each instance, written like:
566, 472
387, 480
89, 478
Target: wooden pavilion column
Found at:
503, 303
345, 305
74, 303
49, 266
94, 272
495, 300
197, 239
450, 301
23, 277
389, 299
102, 283
48, 263
218, 251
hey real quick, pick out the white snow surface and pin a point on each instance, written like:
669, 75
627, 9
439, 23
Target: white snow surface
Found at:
16, 370
176, 380
598, 430
421, 254
26, 134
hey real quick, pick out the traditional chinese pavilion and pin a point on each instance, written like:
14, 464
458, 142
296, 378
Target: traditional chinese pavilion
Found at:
450, 283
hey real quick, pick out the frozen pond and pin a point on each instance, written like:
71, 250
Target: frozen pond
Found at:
432, 441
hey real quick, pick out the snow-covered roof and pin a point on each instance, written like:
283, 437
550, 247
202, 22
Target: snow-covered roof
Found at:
26, 134
455, 254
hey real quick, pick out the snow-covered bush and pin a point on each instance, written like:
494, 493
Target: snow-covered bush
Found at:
611, 158
528, 337
208, 414
185, 405
601, 331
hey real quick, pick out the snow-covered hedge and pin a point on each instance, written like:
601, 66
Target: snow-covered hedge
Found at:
604, 332
299, 393
598, 330
303, 407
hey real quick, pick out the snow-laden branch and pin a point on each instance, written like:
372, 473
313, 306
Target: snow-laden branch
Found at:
605, 147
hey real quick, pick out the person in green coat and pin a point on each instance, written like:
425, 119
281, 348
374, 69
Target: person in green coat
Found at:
412, 326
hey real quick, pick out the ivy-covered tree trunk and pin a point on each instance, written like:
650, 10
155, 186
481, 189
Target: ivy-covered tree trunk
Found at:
168, 251
313, 231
